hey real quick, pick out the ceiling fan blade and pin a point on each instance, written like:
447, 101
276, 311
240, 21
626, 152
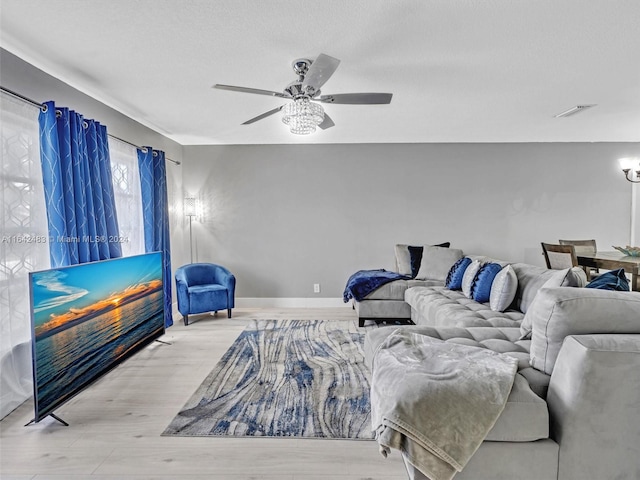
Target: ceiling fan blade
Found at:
251, 90
327, 122
356, 98
320, 71
264, 115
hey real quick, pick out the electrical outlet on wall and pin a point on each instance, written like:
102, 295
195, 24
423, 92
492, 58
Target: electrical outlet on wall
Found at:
316, 288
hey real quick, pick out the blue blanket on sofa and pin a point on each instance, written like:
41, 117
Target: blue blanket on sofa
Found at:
363, 282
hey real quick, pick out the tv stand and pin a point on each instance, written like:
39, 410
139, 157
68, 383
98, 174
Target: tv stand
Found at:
33, 420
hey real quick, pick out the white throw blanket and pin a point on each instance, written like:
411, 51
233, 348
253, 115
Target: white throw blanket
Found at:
436, 401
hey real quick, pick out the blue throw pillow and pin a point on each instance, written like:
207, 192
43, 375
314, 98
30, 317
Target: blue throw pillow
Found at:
415, 254
481, 286
613, 280
455, 275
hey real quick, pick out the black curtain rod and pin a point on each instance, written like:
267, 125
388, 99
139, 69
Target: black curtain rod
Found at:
39, 105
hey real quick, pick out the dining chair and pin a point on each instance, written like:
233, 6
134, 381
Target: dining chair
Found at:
584, 247
558, 256
587, 247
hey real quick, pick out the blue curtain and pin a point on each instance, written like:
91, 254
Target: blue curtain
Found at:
155, 212
76, 170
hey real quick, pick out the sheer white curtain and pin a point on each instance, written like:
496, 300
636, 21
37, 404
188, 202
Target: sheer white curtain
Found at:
126, 189
23, 245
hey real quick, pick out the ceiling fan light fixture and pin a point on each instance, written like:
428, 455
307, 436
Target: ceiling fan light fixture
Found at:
302, 116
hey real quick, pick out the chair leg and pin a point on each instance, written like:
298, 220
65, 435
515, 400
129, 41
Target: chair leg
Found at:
186, 320
228, 313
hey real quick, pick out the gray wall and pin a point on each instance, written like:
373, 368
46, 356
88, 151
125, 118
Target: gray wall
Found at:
284, 217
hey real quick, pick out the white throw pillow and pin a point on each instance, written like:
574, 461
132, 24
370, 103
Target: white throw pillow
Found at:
403, 259
503, 289
436, 262
469, 274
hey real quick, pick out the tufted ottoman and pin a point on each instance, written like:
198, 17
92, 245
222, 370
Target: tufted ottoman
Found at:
499, 339
440, 307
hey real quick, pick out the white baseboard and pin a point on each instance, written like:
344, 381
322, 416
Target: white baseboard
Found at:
248, 302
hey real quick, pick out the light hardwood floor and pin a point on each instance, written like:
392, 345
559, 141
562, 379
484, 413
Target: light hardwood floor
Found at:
115, 424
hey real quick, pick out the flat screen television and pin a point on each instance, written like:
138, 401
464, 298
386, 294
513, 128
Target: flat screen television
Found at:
88, 318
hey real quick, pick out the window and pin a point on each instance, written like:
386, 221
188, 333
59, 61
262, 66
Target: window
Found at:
126, 189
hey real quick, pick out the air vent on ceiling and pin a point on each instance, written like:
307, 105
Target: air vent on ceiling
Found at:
574, 110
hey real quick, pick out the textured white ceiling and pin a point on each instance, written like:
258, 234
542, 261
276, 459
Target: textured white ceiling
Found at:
460, 70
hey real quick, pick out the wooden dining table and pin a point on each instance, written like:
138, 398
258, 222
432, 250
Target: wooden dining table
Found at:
612, 261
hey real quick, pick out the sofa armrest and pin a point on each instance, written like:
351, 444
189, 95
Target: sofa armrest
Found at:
229, 281
221, 275
182, 292
594, 406
224, 277
559, 312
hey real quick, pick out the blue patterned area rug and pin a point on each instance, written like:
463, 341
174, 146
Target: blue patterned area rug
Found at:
285, 378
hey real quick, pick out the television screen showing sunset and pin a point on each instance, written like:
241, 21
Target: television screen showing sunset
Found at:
86, 318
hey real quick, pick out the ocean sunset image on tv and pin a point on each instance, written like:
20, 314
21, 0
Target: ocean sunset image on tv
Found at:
87, 318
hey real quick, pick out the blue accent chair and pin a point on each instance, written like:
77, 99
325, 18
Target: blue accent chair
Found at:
204, 287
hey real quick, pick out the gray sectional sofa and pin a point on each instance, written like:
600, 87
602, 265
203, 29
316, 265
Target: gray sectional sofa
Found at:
574, 409
426, 301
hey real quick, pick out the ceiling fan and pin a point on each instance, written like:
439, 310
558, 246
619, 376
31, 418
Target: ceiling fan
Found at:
302, 114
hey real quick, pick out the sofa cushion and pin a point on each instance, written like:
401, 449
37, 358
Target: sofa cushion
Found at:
470, 275
395, 290
436, 262
531, 278
559, 312
202, 297
576, 277
504, 289
525, 417
569, 277
481, 285
408, 255
440, 307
